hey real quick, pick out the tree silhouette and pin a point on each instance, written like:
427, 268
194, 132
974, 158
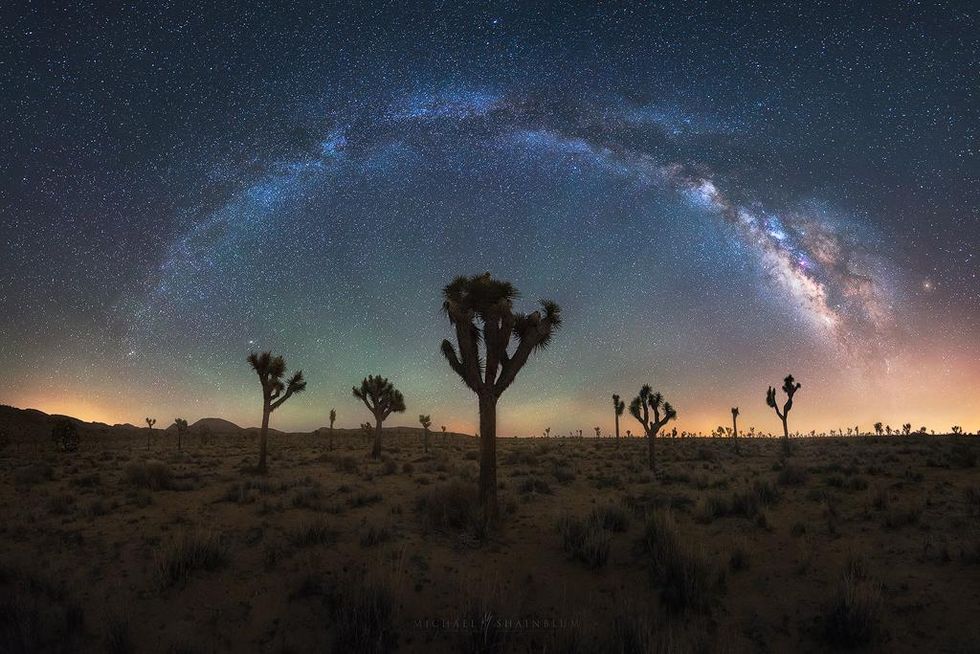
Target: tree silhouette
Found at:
333, 419
382, 399
275, 392
149, 423
789, 387
64, 434
181, 426
878, 428
618, 407
735, 427
481, 309
426, 422
641, 407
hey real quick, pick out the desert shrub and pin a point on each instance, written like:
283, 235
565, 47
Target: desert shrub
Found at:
311, 533
898, 517
738, 559
972, 497
342, 463
853, 613
585, 540
37, 616
191, 551
33, 473
61, 504
612, 518
408, 468
963, 455
306, 498
792, 475
363, 499
375, 535
686, 578
856, 484
453, 506
563, 474
363, 614
64, 435
116, 638
389, 467
521, 457
531, 485
152, 475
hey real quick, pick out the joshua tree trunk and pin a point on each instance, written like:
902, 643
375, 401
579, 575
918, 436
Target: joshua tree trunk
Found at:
376, 449
488, 453
652, 453
617, 429
785, 429
263, 438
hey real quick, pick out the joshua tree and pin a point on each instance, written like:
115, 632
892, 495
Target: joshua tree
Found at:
547, 432
64, 434
907, 428
181, 426
629, 433
598, 431
957, 430
382, 399
618, 407
481, 309
275, 392
640, 408
149, 423
878, 428
333, 419
789, 387
735, 427
426, 422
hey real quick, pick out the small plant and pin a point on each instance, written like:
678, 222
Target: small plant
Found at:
363, 612
585, 540
152, 475
193, 550
64, 435
854, 612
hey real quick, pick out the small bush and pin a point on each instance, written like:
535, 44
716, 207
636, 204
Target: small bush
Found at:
532, 485
585, 540
311, 533
193, 550
562, 473
363, 612
685, 576
853, 613
34, 473
453, 506
792, 475
612, 518
152, 475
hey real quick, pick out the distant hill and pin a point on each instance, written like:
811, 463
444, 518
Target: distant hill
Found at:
31, 424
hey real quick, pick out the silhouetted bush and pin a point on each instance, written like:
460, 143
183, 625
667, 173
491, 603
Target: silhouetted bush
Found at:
585, 540
191, 551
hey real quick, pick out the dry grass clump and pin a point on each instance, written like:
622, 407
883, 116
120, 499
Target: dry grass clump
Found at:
37, 616
853, 615
191, 551
452, 506
686, 578
585, 540
363, 613
151, 475
311, 533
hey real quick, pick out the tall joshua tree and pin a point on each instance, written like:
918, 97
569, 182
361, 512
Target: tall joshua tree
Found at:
333, 419
618, 407
426, 422
735, 427
382, 399
790, 386
181, 426
481, 309
275, 392
641, 407
149, 423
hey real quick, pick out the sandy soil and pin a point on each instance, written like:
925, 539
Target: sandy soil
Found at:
866, 543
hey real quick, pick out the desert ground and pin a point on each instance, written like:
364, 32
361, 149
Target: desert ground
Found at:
129, 545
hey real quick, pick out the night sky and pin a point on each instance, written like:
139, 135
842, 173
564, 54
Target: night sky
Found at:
716, 194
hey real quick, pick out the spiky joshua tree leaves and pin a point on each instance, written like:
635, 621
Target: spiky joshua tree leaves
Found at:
481, 309
382, 399
618, 407
641, 407
790, 386
426, 422
275, 392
